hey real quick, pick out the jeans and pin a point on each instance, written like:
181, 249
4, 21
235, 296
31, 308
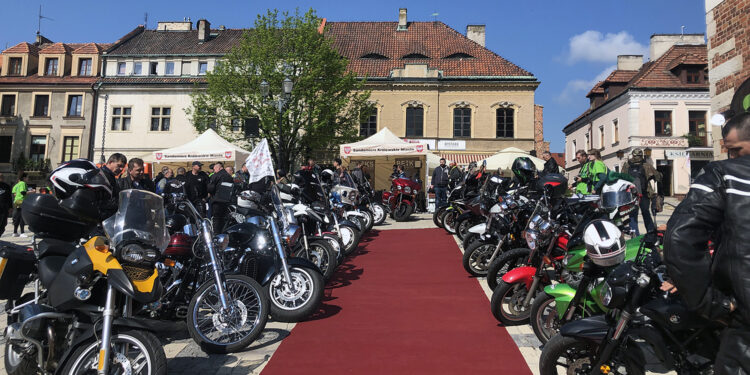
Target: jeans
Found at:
441, 196
645, 207
18, 220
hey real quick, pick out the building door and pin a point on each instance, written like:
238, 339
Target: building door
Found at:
665, 168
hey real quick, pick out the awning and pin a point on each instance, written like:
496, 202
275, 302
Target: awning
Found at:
463, 158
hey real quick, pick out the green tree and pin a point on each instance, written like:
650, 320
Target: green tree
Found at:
324, 109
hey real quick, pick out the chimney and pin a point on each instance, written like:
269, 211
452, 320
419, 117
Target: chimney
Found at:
476, 33
174, 25
629, 62
204, 30
402, 19
661, 43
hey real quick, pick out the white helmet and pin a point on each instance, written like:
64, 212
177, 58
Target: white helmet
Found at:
605, 244
620, 196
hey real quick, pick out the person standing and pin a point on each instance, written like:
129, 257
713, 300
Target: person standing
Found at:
550, 164
598, 171
583, 182
358, 175
113, 168
6, 204
440, 179
19, 193
160, 176
281, 177
167, 176
135, 178
455, 175
196, 187
642, 173
338, 171
219, 206
181, 174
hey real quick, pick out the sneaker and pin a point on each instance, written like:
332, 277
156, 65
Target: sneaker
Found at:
15, 234
23, 235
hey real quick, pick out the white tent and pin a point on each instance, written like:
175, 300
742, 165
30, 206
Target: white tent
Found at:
209, 146
382, 143
504, 159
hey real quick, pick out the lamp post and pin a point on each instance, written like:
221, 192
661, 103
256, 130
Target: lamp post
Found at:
265, 90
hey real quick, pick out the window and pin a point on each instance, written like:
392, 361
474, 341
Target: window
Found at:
236, 124
121, 118
504, 122
8, 107
202, 67
137, 68
84, 67
615, 131
120, 68
692, 76
15, 66
152, 68
41, 105
370, 125
160, 118
414, 121
663, 123
71, 145
601, 136
169, 68
38, 147
6, 142
75, 103
462, 122
186, 68
50, 66
697, 126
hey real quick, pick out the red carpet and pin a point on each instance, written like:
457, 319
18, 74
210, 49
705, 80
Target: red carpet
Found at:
403, 305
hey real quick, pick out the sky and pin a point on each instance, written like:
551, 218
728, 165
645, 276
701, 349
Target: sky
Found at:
567, 45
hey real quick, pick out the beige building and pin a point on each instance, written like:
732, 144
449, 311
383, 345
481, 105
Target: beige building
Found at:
661, 106
47, 103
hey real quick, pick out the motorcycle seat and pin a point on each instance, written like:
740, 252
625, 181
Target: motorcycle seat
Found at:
49, 246
49, 267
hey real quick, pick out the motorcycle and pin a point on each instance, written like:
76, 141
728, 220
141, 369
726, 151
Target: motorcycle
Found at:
77, 320
400, 200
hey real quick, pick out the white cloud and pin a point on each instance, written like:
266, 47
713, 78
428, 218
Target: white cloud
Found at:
579, 87
593, 46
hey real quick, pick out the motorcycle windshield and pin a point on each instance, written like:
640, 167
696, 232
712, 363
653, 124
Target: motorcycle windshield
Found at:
614, 199
140, 217
346, 180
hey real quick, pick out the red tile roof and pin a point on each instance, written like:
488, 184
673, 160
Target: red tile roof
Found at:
23, 47
435, 40
91, 48
621, 76
56, 48
688, 59
597, 89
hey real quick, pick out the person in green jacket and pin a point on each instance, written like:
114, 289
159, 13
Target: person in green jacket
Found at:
593, 172
599, 171
19, 193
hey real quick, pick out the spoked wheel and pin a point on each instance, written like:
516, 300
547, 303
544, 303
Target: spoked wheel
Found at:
477, 258
219, 330
507, 304
378, 213
133, 352
462, 228
298, 300
321, 254
568, 355
505, 262
544, 318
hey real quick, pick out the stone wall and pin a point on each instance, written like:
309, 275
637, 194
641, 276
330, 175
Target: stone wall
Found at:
539, 144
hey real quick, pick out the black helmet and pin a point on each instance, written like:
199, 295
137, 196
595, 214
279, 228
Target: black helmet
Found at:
523, 168
76, 174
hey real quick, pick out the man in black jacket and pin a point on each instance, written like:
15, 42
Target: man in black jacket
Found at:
219, 206
196, 187
6, 204
455, 175
717, 207
113, 168
135, 178
550, 164
440, 184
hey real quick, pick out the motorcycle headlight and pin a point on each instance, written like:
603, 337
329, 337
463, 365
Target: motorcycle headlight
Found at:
531, 237
398, 187
407, 190
606, 294
135, 253
292, 234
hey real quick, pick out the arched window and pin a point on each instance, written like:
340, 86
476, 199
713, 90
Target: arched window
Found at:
462, 122
373, 56
504, 122
415, 56
414, 121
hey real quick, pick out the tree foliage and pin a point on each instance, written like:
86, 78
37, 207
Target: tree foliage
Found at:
324, 109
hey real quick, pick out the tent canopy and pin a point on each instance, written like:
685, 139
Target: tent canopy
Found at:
209, 146
382, 143
504, 159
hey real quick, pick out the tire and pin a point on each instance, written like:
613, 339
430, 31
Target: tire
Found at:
379, 213
350, 238
570, 351
205, 306
358, 222
402, 212
544, 319
504, 263
507, 303
368, 220
476, 258
15, 363
335, 243
437, 216
322, 255
139, 342
449, 221
462, 228
469, 240
295, 305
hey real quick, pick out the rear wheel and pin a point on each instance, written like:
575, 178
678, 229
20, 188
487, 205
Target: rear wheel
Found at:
505, 262
133, 352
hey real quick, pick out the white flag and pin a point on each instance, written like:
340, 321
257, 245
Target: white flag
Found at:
259, 163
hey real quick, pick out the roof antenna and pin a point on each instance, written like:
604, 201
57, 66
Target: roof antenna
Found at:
145, 20
39, 26
682, 31
434, 16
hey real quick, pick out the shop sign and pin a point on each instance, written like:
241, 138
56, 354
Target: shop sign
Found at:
664, 142
452, 145
709, 155
674, 154
429, 142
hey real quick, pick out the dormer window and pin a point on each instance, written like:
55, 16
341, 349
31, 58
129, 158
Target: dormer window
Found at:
373, 56
50, 66
459, 55
692, 76
15, 64
415, 56
84, 67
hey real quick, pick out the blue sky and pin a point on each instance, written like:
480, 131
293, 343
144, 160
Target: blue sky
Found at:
566, 44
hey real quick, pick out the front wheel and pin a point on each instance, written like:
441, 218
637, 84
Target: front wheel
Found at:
321, 254
402, 212
505, 262
437, 217
477, 257
133, 352
507, 303
449, 221
368, 219
544, 318
350, 239
219, 330
570, 355
295, 301
462, 228
378, 213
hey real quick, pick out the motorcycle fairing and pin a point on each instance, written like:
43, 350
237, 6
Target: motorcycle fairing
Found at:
102, 260
478, 229
593, 328
563, 294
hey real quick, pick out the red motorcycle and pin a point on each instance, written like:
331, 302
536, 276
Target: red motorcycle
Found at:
401, 200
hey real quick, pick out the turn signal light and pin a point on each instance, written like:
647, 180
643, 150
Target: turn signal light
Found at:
604, 369
547, 260
169, 262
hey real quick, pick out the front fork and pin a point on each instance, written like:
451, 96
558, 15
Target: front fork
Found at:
108, 318
282, 254
497, 249
530, 295
226, 302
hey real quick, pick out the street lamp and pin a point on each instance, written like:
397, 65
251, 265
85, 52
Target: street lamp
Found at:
287, 86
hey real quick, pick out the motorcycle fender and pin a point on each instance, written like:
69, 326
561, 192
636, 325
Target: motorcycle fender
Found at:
593, 328
301, 262
520, 274
353, 213
563, 294
478, 229
269, 275
465, 215
349, 224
